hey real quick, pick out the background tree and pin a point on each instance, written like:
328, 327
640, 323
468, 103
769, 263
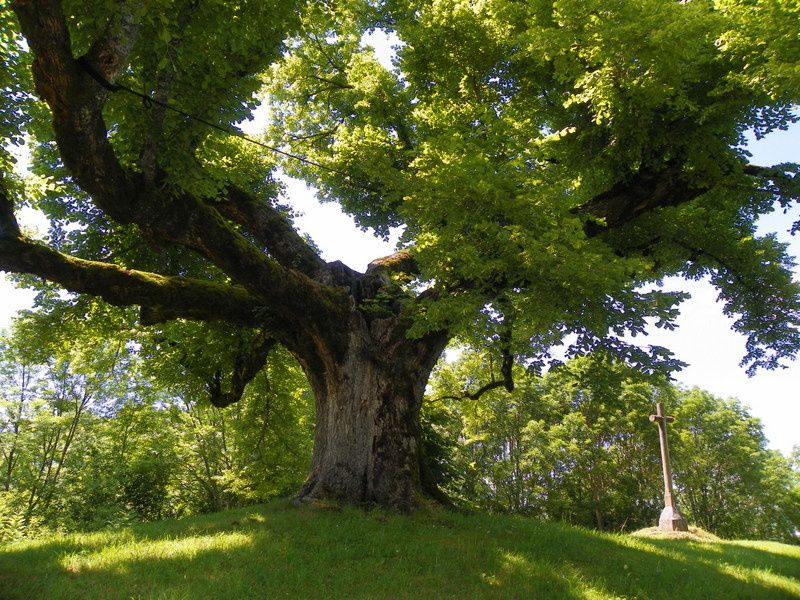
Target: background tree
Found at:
485, 465
573, 445
545, 159
730, 483
17, 381
59, 380
102, 432
576, 445
602, 449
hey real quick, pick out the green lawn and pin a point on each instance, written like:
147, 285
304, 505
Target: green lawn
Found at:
276, 551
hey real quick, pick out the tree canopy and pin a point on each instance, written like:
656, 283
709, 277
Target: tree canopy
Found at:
548, 159
548, 163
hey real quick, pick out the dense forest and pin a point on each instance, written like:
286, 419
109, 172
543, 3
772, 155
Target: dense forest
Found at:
99, 427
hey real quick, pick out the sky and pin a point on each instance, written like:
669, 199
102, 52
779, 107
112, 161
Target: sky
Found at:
703, 338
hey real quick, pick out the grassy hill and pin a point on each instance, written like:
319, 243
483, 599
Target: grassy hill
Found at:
276, 551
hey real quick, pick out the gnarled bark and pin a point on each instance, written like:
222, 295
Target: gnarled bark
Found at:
368, 397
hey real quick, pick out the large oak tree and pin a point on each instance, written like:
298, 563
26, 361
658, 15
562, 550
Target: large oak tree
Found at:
548, 162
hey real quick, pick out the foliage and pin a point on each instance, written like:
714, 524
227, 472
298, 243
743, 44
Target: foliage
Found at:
49, 387
91, 438
577, 445
273, 552
731, 483
96, 431
549, 163
499, 121
497, 125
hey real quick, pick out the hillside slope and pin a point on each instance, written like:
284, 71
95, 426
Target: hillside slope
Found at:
276, 551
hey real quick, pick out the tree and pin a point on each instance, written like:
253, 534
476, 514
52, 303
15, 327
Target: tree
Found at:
97, 431
51, 384
482, 452
599, 443
574, 445
546, 161
730, 483
18, 380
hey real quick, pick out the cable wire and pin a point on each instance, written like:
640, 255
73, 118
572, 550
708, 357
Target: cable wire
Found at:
149, 101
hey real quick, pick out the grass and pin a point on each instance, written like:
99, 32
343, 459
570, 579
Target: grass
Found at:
276, 551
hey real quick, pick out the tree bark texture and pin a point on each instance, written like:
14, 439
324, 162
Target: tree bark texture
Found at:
368, 398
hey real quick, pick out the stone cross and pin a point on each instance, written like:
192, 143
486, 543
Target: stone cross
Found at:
671, 519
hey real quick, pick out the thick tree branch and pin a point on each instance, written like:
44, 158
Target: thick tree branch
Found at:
757, 170
75, 99
645, 192
165, 80
175, 296
399, 262
165, 214
109, 53
156, 294
641, 193
9, 228
272, 229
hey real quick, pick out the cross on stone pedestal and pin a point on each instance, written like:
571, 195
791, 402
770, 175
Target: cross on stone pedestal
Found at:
671, 519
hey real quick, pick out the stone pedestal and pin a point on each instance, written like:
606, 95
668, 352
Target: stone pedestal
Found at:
672, 520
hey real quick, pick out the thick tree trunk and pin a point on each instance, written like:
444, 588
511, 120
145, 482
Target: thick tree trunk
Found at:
368, 398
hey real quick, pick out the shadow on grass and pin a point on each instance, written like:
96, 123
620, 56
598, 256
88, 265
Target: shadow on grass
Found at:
273, 552
614, 565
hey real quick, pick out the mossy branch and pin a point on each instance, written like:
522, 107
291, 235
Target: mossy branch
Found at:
175, 296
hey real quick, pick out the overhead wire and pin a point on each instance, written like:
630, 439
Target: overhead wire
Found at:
149, 101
